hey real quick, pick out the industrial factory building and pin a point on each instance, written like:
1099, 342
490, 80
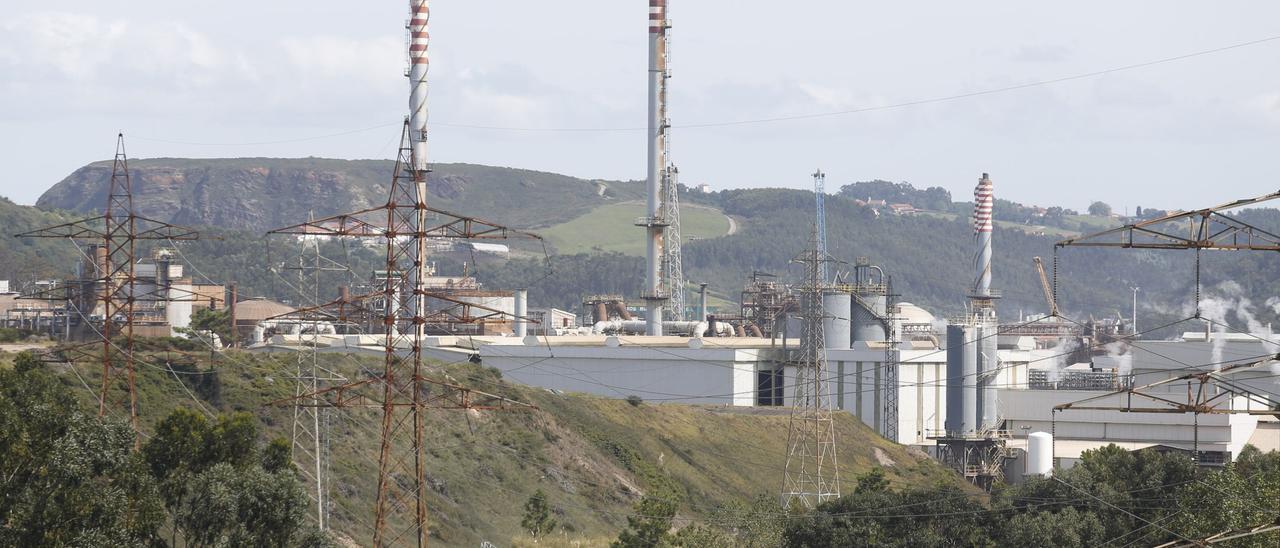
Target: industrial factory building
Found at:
969, 389
165, 298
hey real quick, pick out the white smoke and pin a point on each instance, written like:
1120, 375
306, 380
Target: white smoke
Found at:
1060, 354
1229, 300
1123, 356
1274, 304
939, 325
1215, 310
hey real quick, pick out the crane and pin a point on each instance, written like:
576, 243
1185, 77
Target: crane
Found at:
1048, 290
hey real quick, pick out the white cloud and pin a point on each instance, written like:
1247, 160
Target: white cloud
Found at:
1041, 53
341, 58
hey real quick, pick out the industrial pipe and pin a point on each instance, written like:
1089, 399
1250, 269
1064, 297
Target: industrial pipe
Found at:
638, 327
702, 302
521, 312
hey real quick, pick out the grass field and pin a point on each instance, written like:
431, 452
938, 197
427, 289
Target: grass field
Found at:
612, 228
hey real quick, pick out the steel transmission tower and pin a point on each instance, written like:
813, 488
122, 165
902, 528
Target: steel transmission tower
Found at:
891, 358
401, 391
312, 420
819, 192
672, 269
811, 474
110, 292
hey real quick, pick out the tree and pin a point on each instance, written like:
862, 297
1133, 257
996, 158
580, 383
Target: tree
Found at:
216, 321
650, 526
1240, 496
1100, 209
537, 516
702, 536
1068, 527
757, 523
872, 515
221, 486
69, 478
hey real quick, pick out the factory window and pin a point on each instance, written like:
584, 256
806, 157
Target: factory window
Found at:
769, 388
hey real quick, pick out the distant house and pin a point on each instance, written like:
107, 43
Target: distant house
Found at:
876, 203
479, 247
903, 209
1038, 211
703, 188
551, 321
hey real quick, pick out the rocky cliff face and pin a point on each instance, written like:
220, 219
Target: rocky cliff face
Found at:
259, 194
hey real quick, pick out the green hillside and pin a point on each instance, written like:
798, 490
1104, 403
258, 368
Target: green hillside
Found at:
23, 260
593, 457
258, 194
611, 228
586, 222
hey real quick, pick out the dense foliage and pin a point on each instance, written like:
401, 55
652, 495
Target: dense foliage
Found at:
1113, 497
73, 479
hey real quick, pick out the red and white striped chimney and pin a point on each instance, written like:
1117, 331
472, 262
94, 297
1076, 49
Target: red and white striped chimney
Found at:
419, 39
983, 205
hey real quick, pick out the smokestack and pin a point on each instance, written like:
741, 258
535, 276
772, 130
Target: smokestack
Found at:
419, 13
983, 204
522, 307
702, 302
654, 223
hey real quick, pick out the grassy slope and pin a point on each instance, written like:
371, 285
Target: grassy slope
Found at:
611, 228
593, 457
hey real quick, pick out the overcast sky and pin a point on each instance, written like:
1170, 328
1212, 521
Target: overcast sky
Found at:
279, 78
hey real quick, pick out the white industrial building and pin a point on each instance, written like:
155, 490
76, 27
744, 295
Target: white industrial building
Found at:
748, 371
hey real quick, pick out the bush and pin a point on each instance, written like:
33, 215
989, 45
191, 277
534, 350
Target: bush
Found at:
11, 335
634, 400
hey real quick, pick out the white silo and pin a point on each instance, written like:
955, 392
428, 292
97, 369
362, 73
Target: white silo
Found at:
1040, 454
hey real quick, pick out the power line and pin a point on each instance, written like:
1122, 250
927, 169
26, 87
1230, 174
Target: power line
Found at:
764, 120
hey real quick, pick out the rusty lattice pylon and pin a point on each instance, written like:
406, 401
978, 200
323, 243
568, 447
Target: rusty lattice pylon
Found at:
113, 289
402, 392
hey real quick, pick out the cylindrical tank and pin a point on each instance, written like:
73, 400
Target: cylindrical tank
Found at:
962, 391
988, 373
177, 309
702, 302
835, 319
867, 315
521, 312
601, 311
1040, 454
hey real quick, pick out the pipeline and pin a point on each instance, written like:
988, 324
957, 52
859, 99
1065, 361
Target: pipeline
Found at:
637, 327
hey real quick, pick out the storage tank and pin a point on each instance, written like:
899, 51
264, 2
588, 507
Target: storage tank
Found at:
835, 319
1040, 454
521, 313
868, 311
988, 374
870, 305
962, 390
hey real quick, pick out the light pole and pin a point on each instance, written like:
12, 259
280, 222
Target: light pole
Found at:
1135, 311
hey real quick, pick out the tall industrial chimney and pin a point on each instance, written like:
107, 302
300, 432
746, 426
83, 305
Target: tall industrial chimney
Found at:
654, 222
419, 13
983, 204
